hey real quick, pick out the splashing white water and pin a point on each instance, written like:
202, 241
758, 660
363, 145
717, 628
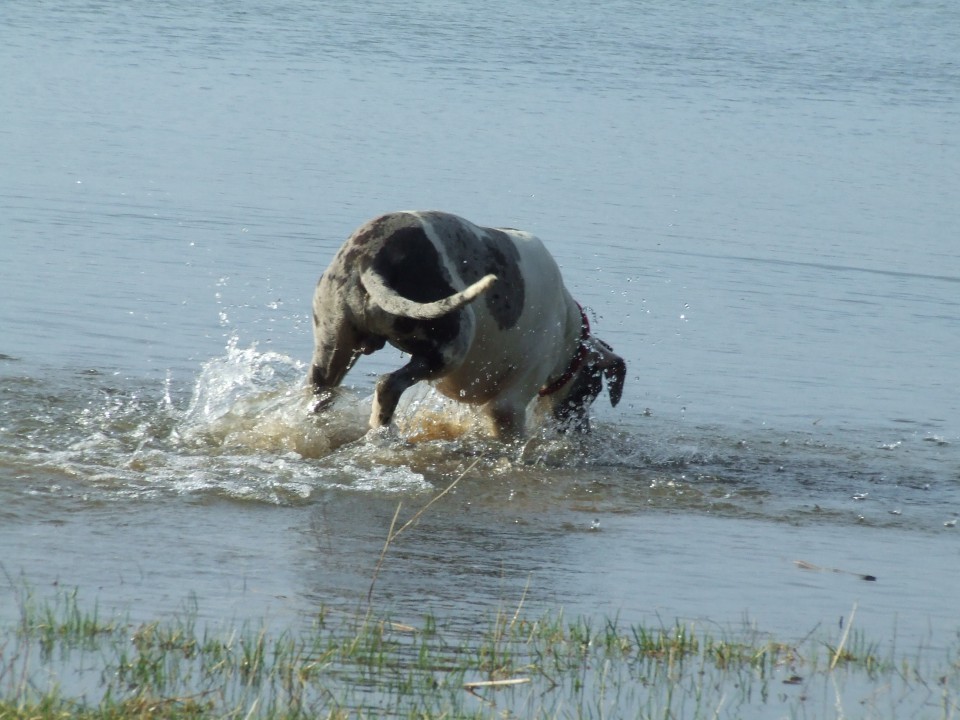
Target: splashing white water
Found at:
253, 401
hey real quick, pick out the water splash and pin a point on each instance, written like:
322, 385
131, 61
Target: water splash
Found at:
255, 401
244, 430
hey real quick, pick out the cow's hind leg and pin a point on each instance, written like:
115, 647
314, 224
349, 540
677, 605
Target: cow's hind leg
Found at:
392, 385
509, 419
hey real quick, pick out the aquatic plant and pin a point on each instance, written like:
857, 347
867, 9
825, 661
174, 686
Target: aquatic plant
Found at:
62, 659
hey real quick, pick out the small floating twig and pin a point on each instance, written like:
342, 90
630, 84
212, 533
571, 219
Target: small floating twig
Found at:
804, 565
495, 683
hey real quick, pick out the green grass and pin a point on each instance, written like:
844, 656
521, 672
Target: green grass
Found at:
65, 660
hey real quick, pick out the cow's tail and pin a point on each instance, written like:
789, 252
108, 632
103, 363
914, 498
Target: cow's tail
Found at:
391, 302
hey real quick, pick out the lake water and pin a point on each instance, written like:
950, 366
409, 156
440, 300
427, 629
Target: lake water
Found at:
758, 205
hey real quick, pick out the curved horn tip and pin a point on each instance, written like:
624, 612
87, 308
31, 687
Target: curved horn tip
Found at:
480, 286
487, 280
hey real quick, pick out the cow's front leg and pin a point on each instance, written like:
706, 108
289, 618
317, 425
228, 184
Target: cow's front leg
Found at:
392, 385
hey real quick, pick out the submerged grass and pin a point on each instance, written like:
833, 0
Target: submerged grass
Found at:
62, 661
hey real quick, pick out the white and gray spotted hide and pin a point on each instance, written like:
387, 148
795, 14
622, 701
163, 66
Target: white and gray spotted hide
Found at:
483, 314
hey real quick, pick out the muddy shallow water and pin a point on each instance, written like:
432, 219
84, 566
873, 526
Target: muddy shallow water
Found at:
238, 496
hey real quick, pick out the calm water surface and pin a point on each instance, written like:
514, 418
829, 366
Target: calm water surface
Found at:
757, 205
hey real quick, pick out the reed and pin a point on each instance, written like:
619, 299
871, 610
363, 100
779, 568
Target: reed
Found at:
64, 659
